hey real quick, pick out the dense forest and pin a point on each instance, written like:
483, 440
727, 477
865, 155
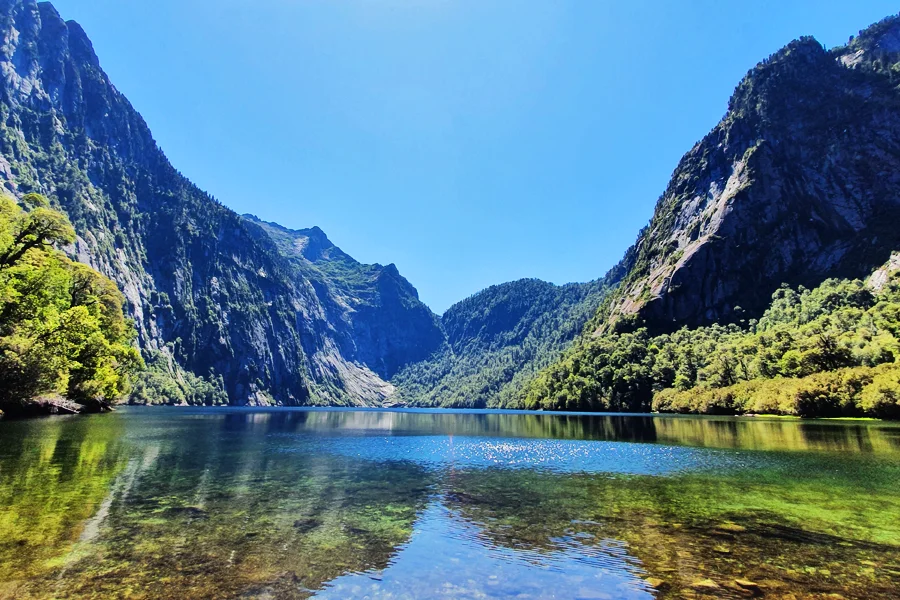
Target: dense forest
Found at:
62, 329
497, 340
831, 351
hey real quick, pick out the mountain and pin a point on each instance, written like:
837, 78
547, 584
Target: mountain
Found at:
220, 301
798, 182
830, 351
386, 326
232, 308
498, 339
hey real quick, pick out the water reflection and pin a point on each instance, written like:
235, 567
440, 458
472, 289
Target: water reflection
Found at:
444, 542
710, 432
197, 504
54, 475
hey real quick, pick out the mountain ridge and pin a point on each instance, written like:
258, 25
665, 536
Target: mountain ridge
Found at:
702, 255
798, 182
211, 294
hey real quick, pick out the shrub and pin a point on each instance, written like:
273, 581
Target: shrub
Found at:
881, 398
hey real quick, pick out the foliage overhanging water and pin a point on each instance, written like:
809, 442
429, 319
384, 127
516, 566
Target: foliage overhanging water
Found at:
350, 504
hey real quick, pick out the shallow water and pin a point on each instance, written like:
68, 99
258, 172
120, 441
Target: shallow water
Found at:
192, 503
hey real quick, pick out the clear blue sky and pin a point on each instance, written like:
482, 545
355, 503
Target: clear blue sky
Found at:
471, 142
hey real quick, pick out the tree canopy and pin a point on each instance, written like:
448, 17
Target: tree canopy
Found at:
829, 351
62, 328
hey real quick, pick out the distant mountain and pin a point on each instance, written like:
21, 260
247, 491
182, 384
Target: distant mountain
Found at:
800, 181
264, 313
385, 325
498, 339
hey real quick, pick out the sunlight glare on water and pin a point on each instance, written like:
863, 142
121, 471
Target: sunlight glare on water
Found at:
562, 456
245, 503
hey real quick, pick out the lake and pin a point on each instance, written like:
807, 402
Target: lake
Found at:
345, 504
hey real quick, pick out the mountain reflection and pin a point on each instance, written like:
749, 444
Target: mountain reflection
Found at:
708, 432
284, 504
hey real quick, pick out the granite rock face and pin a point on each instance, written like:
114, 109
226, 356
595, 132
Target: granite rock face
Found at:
211, 292
384, 324
800, 181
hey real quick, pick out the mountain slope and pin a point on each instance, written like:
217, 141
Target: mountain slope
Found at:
798, 182
830, 351
386, 326
211, 293
497, 340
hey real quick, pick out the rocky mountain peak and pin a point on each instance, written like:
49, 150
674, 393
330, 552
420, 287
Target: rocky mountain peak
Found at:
883, 36
796, 183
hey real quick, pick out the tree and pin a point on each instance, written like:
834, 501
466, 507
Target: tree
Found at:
62, 328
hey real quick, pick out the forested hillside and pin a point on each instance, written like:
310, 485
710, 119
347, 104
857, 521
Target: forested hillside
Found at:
831, 351
497, 340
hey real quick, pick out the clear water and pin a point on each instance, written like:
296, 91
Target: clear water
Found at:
191, 503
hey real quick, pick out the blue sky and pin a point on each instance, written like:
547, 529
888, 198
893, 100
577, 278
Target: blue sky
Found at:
471, 142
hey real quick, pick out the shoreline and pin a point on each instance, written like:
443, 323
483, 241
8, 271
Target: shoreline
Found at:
60, 407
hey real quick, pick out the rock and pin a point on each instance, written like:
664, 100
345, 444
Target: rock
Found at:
799, 182
731, 527
882, 276
657, 583
305, 525
748, 585
705, 585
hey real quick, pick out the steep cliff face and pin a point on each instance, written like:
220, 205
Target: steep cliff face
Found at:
384, 324
210, 292
799, 181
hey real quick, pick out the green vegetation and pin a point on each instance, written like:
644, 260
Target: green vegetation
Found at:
156, 385
826, 352
845, 392
62, 329
498, 340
